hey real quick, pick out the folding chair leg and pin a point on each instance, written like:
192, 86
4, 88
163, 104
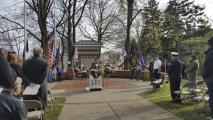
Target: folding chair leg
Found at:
176, 97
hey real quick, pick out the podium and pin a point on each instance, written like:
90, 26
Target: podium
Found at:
95, 80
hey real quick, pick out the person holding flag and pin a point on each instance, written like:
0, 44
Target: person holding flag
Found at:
121, 60
141, 59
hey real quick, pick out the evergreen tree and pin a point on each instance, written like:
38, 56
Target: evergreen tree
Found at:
173, 24
183, 19
150, 37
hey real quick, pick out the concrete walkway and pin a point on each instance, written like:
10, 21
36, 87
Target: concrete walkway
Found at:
113, 104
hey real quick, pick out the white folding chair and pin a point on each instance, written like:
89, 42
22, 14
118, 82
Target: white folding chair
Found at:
199, 87
201, 99
37, 110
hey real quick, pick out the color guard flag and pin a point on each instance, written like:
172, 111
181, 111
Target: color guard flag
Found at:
51, 51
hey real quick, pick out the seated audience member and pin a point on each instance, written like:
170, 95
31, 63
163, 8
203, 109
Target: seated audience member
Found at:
11, 107
83, 71
35, 69
12, 59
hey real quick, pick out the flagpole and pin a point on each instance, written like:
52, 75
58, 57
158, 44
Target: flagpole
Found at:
24, 30
54, 19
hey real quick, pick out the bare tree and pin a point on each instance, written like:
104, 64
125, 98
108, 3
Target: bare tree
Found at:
10, 37
101, 15
71, 14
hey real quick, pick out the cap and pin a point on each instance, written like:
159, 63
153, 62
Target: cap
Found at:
174, 53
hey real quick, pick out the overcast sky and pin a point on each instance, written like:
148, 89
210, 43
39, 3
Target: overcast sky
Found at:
163, 4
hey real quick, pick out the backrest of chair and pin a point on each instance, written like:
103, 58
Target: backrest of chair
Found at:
200, 83
33, 104
186, 85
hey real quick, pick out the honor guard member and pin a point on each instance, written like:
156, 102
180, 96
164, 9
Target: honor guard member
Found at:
175, 77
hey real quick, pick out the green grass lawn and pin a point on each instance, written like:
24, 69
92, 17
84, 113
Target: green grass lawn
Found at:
53, 114
162, 98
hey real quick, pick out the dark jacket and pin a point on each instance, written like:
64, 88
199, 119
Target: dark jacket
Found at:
208, 66
11, 108
7, 74
35, 70
19, 72
175, 70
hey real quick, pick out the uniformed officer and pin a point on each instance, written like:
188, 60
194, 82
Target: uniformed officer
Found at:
175, 77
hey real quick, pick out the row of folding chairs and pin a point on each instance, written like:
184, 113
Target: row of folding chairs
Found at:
185, 92
35, 109
201, 98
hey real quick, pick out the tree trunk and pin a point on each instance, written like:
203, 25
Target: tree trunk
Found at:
127, 41
69, 33
62, 53
44, 44
73, 33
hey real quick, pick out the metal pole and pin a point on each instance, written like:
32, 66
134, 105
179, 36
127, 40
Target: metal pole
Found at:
24, 30
54, 19
165, 65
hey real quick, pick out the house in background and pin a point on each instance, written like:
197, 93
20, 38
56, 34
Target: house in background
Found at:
86, 51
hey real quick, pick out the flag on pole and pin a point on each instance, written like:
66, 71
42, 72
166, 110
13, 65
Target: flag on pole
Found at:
121, 60
51, 51
57, 57
142, 63
27, 46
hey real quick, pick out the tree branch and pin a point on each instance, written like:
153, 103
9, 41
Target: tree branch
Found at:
2, 17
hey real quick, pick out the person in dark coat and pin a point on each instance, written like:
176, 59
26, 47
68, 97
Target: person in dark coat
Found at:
175, 77
134, 67
208, 73
12, 59
151, 69
11, 107
59, 73
184, 66
35, 69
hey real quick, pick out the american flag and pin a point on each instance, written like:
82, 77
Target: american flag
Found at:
57, 57
51, 51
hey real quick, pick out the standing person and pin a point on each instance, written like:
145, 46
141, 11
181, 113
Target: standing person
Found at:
184, 66
208, 74
133, 69
50, 75
12, 59
35, 69
191, 72
157, 68
59, 73
151, 69
11, 107
175, 77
